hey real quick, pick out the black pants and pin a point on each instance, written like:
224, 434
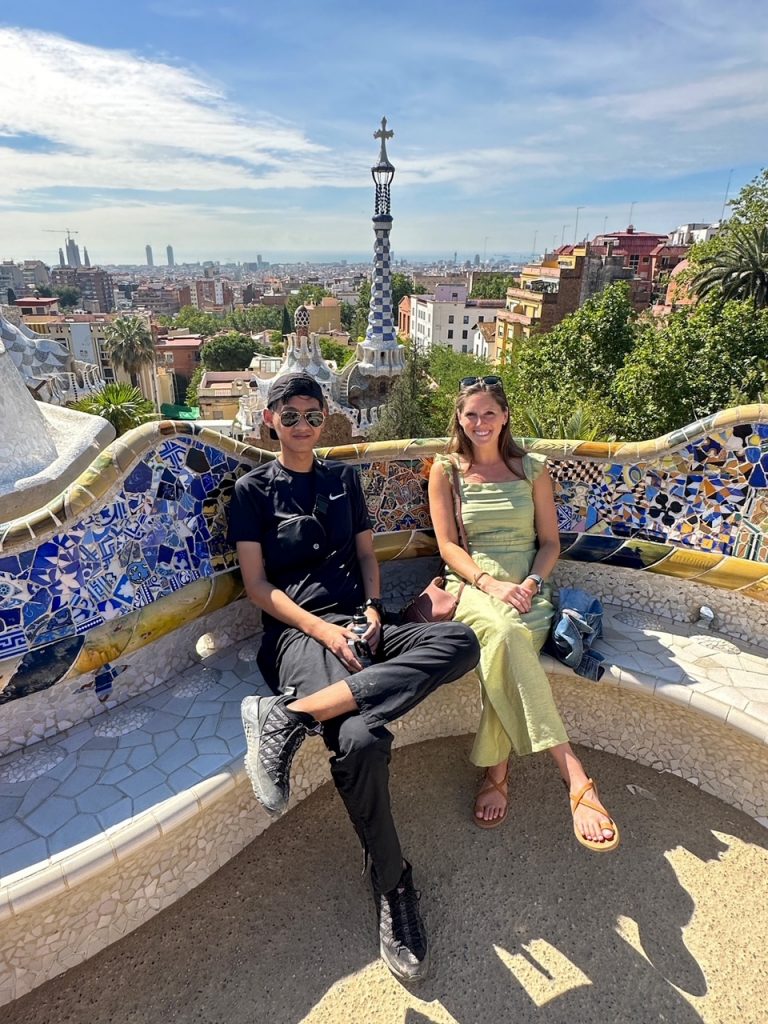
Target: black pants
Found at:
412, 660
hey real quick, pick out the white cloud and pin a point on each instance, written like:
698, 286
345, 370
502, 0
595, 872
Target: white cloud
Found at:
649, 93
118, 120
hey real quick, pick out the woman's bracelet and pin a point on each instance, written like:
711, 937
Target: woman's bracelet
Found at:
477, 577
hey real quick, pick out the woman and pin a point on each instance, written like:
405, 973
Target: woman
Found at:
509, 514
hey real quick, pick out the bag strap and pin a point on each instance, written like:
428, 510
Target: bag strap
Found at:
457, 508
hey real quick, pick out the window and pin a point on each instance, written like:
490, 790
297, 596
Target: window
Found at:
450, 334
463, 348
646, 259
454, 295
450, 319
464, 334
466, 319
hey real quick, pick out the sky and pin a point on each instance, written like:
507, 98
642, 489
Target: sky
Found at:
235, 129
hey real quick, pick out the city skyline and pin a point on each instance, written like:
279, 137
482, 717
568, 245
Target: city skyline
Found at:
233, 132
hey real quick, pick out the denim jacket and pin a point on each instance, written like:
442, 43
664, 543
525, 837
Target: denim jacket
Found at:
577, 624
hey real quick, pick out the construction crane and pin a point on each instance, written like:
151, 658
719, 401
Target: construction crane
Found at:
57, 231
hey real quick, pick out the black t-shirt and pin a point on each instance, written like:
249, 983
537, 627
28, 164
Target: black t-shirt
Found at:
306, 524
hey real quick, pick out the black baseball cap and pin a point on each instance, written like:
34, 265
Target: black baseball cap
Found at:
294, 385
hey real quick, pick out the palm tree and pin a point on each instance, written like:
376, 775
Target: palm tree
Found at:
578, 426
129, 345
121, 404
739, 270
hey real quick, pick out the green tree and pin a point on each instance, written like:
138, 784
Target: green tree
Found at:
286, 326
408, 410
738, 269
196, 322
578, 425
696, 362
574, 364
123, 405
254, 319
403, 285
492, 286
348, 316
232, 351
308, 294
69, 298
44, 291
446, 368
129, 345
191, 398
751, 204
340, 354
360, 319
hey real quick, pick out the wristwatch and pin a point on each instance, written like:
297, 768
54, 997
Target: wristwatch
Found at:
538, 580
377, 604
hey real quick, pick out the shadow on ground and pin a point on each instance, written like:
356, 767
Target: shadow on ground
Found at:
525, 925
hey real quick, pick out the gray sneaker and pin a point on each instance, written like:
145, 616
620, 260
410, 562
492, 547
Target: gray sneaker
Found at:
273, 735
403, 942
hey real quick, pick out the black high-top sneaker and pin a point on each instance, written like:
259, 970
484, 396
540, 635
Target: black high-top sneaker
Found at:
402, 936
273, 736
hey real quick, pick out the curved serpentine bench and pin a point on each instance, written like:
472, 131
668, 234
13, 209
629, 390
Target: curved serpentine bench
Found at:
125, 658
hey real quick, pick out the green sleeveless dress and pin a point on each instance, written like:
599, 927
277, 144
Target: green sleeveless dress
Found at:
518, 710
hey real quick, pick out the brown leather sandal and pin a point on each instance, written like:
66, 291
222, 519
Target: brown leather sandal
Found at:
607, 845
487, 786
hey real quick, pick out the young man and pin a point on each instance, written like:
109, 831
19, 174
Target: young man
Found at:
306, 553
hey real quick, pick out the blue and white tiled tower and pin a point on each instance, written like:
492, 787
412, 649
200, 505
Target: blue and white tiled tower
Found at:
380, 355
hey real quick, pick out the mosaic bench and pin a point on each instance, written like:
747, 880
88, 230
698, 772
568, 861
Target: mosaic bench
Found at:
124, 655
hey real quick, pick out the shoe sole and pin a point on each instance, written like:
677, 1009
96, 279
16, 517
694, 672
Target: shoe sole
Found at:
253, 724
399, 973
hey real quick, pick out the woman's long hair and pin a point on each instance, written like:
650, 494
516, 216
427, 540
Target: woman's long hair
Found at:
461, 444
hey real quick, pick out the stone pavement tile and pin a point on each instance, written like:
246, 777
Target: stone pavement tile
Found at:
141, 782
19, 857
78, 829
81, 778
50, 816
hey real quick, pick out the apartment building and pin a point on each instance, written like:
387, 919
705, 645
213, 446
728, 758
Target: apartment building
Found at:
93, 283
447, 317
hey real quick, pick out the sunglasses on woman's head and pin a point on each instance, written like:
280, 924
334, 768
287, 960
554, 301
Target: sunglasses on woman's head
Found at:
290, 417
491, 381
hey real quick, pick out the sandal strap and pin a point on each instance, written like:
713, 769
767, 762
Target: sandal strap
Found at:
577, 798
489, 784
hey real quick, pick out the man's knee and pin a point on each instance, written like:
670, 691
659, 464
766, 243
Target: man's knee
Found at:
356, 741
461, 642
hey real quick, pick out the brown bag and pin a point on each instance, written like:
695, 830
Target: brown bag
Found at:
435, 603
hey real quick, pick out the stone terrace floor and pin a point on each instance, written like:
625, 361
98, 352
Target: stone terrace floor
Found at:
525, 925
124, 762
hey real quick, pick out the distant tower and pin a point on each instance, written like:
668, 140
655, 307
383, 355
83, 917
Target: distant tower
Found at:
380, 355
148, 251
169, 254
73, 253
86, 257
62, 261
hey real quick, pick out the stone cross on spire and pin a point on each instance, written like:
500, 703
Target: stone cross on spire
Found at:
383, 134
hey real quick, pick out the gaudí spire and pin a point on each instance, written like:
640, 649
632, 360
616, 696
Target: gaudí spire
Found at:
380, 354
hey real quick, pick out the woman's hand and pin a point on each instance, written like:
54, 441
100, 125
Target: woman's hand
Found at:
515, 594
336, 640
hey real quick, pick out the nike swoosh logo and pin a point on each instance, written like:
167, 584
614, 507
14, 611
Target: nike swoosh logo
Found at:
333, 497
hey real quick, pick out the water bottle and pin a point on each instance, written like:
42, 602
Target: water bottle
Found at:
359, 626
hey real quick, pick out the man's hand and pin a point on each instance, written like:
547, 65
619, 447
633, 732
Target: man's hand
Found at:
373, 633
336, 640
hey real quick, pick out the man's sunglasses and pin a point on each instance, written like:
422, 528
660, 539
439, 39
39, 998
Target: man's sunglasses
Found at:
290, 417
491, 381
